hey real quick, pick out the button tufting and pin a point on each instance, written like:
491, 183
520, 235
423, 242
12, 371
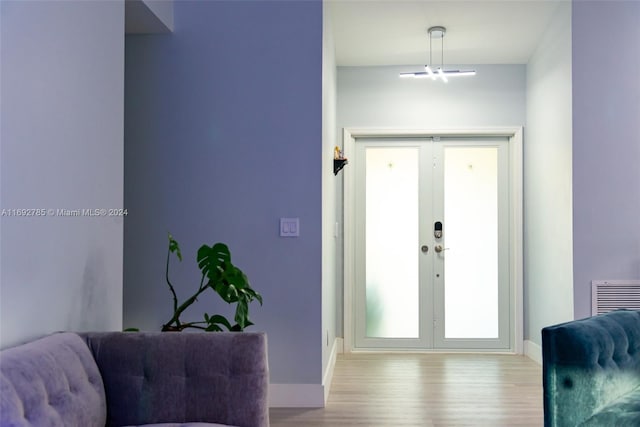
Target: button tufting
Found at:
567, 382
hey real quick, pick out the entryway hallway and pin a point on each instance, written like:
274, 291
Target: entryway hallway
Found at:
418, 389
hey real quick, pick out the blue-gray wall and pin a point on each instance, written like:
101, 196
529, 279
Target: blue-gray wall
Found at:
375, 97
606, 145
223, 136
330, 186
61, 148
548, 242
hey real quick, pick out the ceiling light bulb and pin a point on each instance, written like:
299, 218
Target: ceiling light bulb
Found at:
430, 72
442, 76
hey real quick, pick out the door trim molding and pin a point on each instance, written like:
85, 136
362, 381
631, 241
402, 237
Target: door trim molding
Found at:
515, 135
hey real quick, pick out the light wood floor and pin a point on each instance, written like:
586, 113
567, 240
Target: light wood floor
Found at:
426, 390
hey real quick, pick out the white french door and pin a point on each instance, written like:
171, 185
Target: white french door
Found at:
432, 243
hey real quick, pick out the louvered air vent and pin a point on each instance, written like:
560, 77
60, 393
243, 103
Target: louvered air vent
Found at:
607, 295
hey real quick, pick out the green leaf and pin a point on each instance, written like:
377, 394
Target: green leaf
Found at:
236, 277
258, 297
219, 287
174, 247
224, 278
222, 251
213, 261
216, 318
232, 294
242, 312
251, 294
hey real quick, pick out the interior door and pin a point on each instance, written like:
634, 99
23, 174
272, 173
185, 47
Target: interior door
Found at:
432, 244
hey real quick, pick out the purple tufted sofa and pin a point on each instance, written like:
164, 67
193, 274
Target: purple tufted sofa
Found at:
164, 379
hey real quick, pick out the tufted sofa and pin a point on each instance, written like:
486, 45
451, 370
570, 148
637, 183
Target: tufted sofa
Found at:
165, 379
591, 371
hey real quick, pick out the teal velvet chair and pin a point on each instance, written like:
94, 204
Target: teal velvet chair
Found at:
591, 371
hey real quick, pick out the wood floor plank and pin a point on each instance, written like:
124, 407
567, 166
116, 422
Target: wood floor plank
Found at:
428, 390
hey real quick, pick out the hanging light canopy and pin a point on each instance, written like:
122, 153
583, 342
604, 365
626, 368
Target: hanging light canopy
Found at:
438, 32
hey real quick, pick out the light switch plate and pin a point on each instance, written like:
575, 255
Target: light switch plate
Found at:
289, 227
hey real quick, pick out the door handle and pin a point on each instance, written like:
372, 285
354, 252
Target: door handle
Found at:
424, 249
439, 248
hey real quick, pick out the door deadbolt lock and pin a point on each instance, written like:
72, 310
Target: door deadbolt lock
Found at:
437, 230
424, 249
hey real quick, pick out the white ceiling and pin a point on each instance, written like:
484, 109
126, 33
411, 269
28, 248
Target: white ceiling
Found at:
394, 32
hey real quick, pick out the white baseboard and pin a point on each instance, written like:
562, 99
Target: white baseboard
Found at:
306, 395
533, 351
338, 346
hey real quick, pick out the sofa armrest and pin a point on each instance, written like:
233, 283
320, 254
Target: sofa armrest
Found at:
51, 381
183, 377
588, 363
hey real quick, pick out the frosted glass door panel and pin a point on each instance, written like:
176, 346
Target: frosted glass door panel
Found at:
471, 236
392, 286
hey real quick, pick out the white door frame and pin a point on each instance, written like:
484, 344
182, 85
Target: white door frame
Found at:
514, 134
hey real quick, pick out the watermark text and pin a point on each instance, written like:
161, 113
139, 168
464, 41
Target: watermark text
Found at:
63, 212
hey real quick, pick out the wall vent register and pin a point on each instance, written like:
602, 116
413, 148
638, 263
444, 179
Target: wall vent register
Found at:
609, 295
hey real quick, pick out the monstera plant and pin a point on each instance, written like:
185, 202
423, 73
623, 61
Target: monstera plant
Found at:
220, 276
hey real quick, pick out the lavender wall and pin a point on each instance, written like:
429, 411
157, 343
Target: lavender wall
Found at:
61, 148
606, 145
223, 136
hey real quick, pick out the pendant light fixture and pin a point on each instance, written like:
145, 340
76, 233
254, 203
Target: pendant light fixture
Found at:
438, 32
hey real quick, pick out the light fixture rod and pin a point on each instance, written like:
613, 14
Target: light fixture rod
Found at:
430, 51
442, 52
437, 32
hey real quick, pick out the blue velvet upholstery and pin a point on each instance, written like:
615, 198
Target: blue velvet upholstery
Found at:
591, 371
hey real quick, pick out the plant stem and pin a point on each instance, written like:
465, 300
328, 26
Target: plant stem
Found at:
183, 326
178, 311
201, 282
175, 297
